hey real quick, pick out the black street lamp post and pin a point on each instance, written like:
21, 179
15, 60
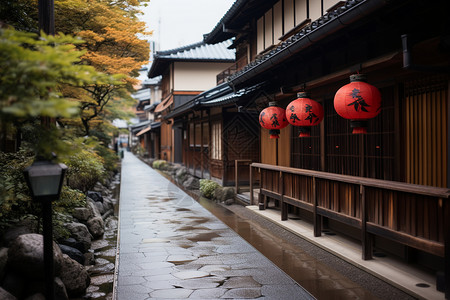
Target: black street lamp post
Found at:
45, 178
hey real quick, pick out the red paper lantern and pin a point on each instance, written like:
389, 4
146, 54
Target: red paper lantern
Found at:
305, 113
358, 101
274, 119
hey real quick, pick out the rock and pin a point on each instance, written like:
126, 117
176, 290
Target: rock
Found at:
81, 234
108, 214
3, 261
82, 214
93, 208
12, 233
191, 183
229, 201
228, 193
4, 295
26, 256
218, 193
96, 227
73, 253
102, 269
89, 259
96, 196
181, 174
71, 242
111, 223
36, 288
108, 204
60, 290
100, 207
74, 276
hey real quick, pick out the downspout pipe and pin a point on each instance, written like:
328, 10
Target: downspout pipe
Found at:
317, 31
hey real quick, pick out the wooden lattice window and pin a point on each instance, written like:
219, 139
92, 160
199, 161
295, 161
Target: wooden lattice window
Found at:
216, 140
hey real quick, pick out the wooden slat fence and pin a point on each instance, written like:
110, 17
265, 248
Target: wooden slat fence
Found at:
413, 215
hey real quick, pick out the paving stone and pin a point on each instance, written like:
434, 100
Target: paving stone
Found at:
152, 272
190, 274
156, 265
215, 268
181, 258
208, 293
99, 280
244, 293
172, 294
200, 283
173, 248
240, 282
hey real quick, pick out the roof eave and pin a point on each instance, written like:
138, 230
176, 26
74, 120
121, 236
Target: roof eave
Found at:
313, 36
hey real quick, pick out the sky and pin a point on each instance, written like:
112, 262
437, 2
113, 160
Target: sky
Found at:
178, 23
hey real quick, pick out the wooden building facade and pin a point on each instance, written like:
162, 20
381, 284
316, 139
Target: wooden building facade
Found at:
388, 188
186, 72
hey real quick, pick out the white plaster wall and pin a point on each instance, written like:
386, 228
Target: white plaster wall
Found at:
197, 76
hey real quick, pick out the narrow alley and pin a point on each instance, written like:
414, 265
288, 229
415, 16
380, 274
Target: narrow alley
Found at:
172, 247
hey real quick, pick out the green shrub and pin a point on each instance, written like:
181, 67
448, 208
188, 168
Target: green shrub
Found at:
110, 158
160, 164
15, 201
207, 187
70, 199
85, 169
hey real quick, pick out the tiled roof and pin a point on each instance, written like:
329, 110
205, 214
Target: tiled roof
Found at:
199, 51
328, 24
142, 94
220, 95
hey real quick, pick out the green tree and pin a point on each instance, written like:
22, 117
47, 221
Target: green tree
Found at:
33, 68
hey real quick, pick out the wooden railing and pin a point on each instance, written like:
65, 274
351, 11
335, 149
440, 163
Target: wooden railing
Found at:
238, 65
413, 215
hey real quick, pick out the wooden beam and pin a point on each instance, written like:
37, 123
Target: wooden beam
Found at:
432, 247
251, 184
352, 221
368, 182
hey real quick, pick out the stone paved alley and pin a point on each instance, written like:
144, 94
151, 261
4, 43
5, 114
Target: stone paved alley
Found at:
170, 247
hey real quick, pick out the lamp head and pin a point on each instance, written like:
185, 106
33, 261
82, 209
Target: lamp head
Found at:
45, 178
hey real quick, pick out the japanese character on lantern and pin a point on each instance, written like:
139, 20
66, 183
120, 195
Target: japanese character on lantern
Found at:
274, 119
304, 112
358, 101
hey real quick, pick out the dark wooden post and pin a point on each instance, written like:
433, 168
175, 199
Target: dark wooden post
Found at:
261, 197
366, 239
284, 208
317, 217
236, 175
446, 208
251, 185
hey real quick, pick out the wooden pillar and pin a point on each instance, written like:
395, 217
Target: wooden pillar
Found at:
446, 208
251, 184
284, 206
261, 197
236, 176
317, 218
201, 142
366, 239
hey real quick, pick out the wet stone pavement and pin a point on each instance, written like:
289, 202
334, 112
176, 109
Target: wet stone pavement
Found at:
170, 247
